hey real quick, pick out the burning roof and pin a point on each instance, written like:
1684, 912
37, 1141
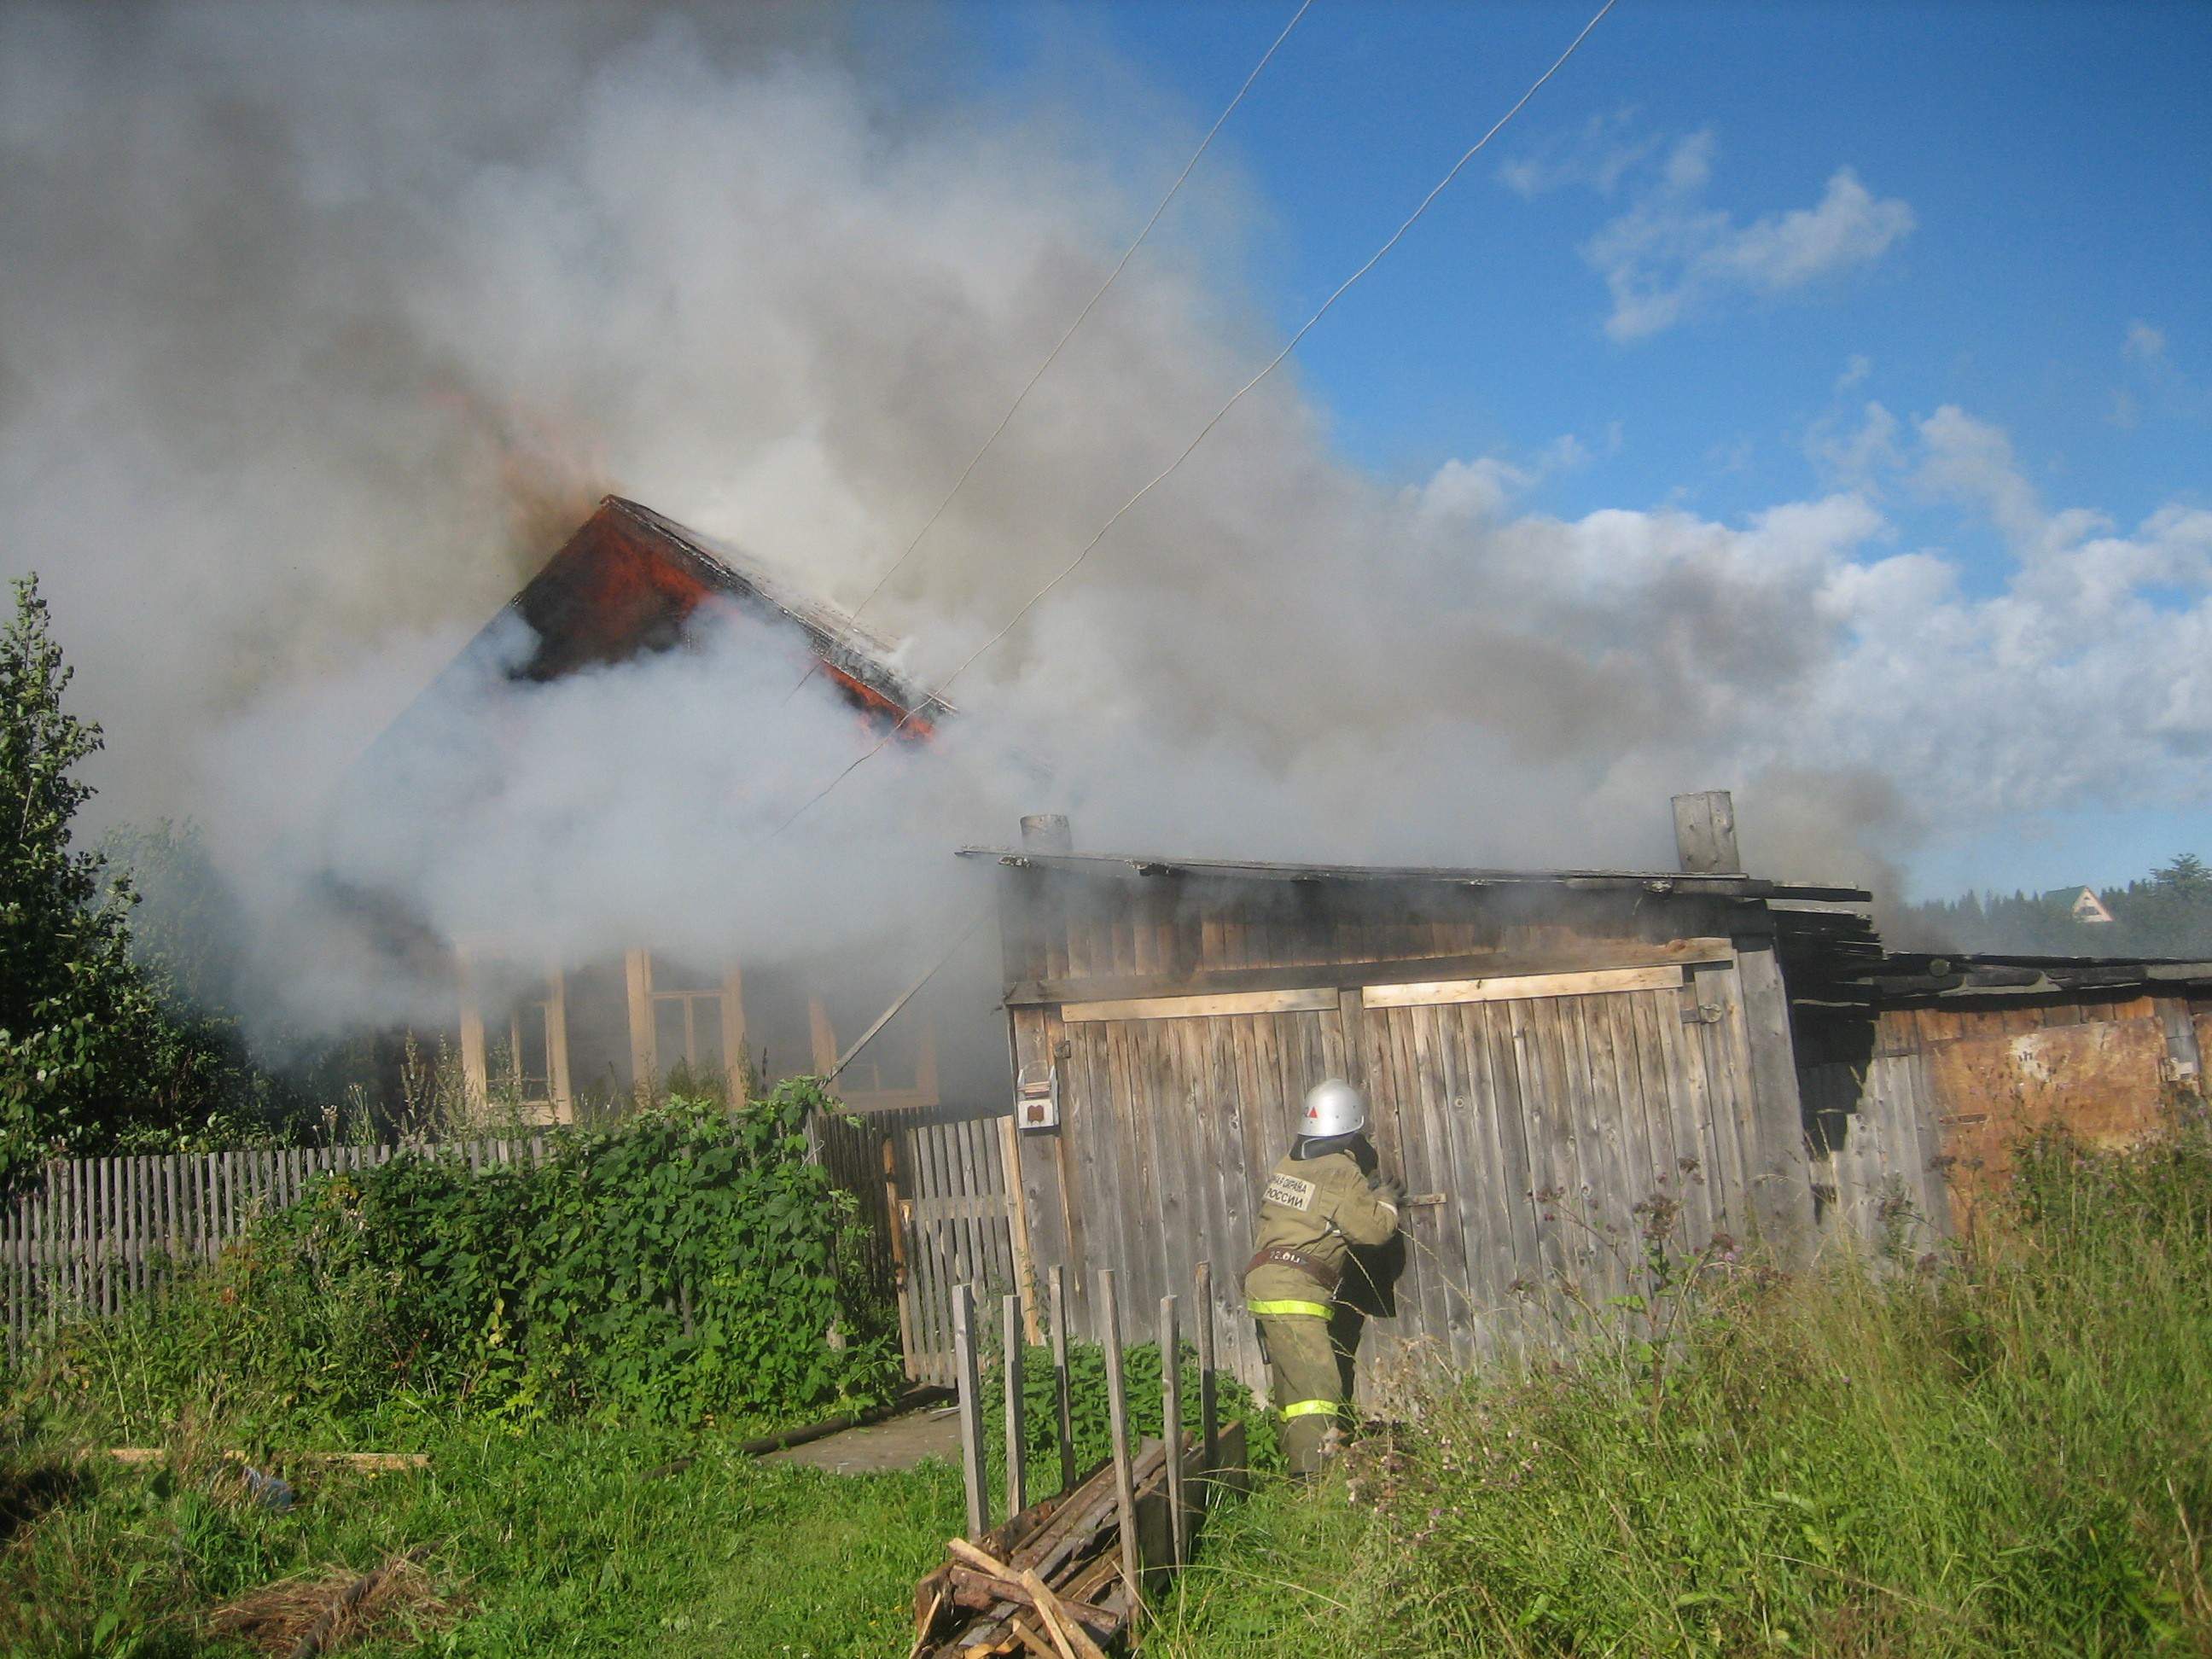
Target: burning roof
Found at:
631, 580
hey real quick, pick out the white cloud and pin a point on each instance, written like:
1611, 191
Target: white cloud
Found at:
2144, 343
1597, 154
1855, 370
1857, 456
1476, 490
1669, 253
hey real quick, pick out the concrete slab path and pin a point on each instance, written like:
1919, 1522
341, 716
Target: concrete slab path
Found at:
901, 1442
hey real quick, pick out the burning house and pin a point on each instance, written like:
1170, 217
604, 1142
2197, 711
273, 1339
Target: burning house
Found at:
537, 1034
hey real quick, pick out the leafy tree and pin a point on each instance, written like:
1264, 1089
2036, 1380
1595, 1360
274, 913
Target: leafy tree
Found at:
89, 1062
70, 998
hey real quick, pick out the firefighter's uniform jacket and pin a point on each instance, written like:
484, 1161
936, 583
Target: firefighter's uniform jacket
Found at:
1318, 1203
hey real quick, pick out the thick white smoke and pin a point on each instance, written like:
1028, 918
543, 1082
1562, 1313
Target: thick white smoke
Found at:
323, 326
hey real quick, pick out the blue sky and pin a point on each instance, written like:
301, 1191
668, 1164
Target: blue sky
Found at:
2033, 237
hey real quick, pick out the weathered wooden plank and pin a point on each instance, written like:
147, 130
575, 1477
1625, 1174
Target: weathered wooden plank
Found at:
1091, 1124
1784, 1192
970, 1385
1063, 1382
1511, 987
1705, 1178
1729, 1085
1550, 1166
1012, 1406
1498, 1218
1606, 1137
1171, 1432
1705, 833
1133, 1067
1117, 1421
966, 1184
1199, 1007
1432, 1231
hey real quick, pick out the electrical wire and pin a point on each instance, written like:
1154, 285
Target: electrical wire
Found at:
1235, 397
1081, 317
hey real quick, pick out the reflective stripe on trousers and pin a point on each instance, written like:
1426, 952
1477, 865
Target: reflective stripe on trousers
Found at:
1280, 1310
1312, 1407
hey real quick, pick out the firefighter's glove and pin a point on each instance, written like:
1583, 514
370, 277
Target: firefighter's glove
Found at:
1392, 1193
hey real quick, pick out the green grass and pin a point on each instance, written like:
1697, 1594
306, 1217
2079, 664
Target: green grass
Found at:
2011, 1456
566, 1539
2005, 1452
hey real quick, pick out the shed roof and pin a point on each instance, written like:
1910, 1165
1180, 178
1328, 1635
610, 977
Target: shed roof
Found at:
1916, 975
1725, 884
631, 580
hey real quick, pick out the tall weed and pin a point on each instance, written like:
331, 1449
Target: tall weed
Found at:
2010, 1452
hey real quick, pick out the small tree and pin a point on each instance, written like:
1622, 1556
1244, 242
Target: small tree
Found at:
76, 1013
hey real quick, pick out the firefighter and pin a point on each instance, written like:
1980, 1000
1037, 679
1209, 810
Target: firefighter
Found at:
1324, 1196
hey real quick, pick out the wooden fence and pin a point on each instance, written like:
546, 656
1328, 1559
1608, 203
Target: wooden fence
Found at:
94, 1231
929, 1186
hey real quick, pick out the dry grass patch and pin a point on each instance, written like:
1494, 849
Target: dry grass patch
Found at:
329, 1609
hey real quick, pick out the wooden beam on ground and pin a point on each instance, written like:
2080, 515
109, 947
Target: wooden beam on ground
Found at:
374, 1462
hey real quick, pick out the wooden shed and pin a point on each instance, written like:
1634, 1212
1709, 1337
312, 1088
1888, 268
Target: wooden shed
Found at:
1552, 1060
1920, 1073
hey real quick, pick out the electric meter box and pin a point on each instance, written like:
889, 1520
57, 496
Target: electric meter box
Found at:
1036, 1098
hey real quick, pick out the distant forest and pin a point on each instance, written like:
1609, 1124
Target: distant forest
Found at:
2167, 913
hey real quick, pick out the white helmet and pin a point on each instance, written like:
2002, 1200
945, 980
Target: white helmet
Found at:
1333, 1107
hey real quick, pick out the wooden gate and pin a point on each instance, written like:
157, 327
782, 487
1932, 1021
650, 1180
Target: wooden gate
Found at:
1555, 1114
938, 1177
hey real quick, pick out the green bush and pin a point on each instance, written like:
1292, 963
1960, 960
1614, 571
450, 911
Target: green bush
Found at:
680, 1267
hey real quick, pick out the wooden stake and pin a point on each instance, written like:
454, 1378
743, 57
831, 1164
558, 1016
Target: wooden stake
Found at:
1171, 1430
1117, 1420
1209, 1395
1066, 1397
1065, 1631
971, 1409
1016, 1451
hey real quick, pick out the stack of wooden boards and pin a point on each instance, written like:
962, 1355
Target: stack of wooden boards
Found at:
1053, 1582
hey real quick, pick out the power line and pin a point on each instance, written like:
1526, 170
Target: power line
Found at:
1081, 317
1234, 398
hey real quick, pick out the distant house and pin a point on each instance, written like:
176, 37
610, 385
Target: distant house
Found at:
630, 582
2079, 902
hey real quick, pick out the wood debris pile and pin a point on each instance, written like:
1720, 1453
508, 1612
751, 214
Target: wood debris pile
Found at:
1051, 1582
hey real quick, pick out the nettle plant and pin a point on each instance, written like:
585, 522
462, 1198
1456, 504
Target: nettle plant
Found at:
681, 1265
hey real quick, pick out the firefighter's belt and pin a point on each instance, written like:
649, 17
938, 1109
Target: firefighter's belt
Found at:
1282, 1255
